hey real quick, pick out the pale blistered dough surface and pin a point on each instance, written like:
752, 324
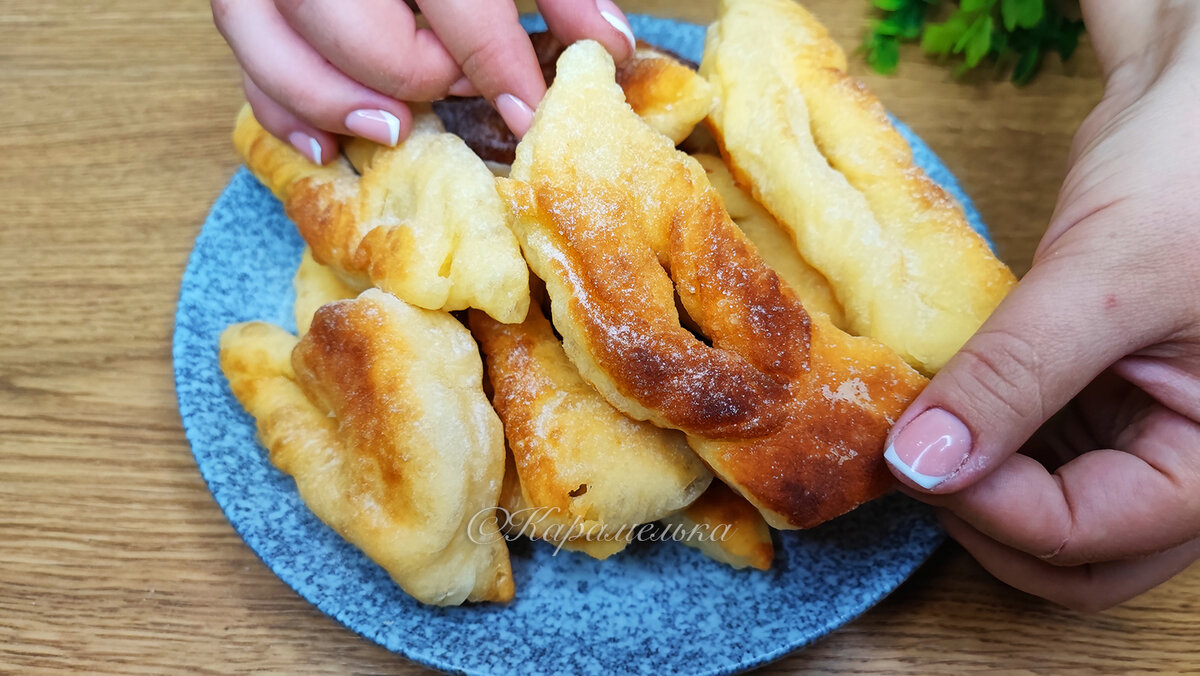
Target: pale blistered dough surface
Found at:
379, 416
584, 467
423, 222
818, 151
787, 409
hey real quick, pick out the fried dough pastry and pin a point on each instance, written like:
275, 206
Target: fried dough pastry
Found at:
668, 95
378, 415
423, 222
315, 286
773, 243
787, 409
726, 528
518, 517
818, 151
662, 87
584, 467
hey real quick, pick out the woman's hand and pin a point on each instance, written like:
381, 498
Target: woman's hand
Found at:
1063, 441
316, 68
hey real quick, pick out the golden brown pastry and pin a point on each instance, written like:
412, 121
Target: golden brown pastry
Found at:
423, 222
584, 467
819, 152
663, 88
787, 409
315, 286
773, 243
669, 95
726, 528
379, 416
517, 517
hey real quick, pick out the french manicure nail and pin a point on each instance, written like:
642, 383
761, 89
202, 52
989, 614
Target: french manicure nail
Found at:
307, 145
516, 113
931, 448
612, 15
379, 126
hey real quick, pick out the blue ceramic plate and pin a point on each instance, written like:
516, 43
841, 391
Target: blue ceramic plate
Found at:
655, 608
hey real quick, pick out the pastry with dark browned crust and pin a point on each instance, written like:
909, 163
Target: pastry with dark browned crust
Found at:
787, 409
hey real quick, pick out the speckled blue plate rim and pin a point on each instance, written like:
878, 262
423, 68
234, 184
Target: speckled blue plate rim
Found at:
193, 349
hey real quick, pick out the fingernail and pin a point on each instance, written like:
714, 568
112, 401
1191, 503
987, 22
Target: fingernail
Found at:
612, 15
462, 87
307, 145
931, 448
379, 126
516, 113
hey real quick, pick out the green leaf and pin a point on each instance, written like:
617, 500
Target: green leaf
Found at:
1068, 39
976, 5
911, 21
999, 42
940, 38
980, 41
1016, 34
1027, 66
1022, 13
884, 54
886, 26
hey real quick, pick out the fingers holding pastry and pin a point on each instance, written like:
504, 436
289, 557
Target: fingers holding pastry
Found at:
317, 145
1087, 588
1104, 505
604, 22
287, 70
1052, 336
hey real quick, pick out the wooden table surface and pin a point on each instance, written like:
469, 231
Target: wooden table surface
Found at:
114, 141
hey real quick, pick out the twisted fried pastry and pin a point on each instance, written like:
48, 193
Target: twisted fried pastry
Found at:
773, 243
818, 151
379, 416
423, 222
582, 464
787, 409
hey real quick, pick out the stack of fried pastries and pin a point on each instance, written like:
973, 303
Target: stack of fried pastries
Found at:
617, 222
704, 366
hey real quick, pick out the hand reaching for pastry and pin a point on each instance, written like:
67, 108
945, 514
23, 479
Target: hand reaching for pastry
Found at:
1063, 442
316, 68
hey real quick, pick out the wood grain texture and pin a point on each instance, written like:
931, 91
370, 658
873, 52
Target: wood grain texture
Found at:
114, 139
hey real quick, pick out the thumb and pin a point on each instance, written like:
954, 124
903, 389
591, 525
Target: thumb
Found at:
1063, 324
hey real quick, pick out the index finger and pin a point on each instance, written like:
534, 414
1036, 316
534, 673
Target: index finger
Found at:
487, 40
